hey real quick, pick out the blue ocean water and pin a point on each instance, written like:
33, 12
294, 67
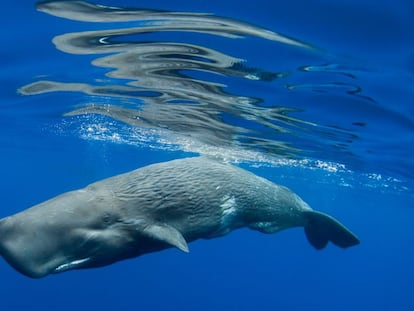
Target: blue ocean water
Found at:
315, 95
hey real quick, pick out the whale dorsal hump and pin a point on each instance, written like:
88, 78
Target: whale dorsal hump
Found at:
321, 228
167, 234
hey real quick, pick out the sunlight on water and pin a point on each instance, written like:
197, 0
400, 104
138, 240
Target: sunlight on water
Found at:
97, 128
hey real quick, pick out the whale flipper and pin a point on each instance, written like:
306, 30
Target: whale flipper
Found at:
321, 228
167, 234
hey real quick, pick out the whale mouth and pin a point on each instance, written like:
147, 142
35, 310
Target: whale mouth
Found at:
71, 265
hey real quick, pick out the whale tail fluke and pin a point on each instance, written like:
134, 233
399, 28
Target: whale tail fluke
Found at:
321, 228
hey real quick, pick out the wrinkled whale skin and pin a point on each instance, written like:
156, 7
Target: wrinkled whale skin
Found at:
159, 206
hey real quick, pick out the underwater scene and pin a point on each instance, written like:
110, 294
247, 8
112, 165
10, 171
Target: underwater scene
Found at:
207, 155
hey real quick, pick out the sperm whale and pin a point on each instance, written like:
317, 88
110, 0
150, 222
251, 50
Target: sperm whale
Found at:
163, 205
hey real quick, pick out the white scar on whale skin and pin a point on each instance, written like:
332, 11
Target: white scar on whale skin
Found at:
228, 206
229, 210
71, 265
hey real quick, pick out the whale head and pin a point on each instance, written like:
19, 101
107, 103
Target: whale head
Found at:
63, 233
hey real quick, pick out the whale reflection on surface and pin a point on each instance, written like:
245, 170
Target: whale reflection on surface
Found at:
156, 77
171, 72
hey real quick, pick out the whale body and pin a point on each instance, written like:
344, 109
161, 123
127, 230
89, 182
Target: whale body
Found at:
159, 206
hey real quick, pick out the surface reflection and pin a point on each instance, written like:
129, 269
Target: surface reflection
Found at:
182, 87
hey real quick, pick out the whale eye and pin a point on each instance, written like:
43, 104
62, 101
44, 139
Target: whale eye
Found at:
106, 219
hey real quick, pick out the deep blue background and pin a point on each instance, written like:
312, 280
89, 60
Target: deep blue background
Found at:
245, 270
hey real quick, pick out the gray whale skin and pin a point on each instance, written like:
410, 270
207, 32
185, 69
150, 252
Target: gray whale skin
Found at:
152, 208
